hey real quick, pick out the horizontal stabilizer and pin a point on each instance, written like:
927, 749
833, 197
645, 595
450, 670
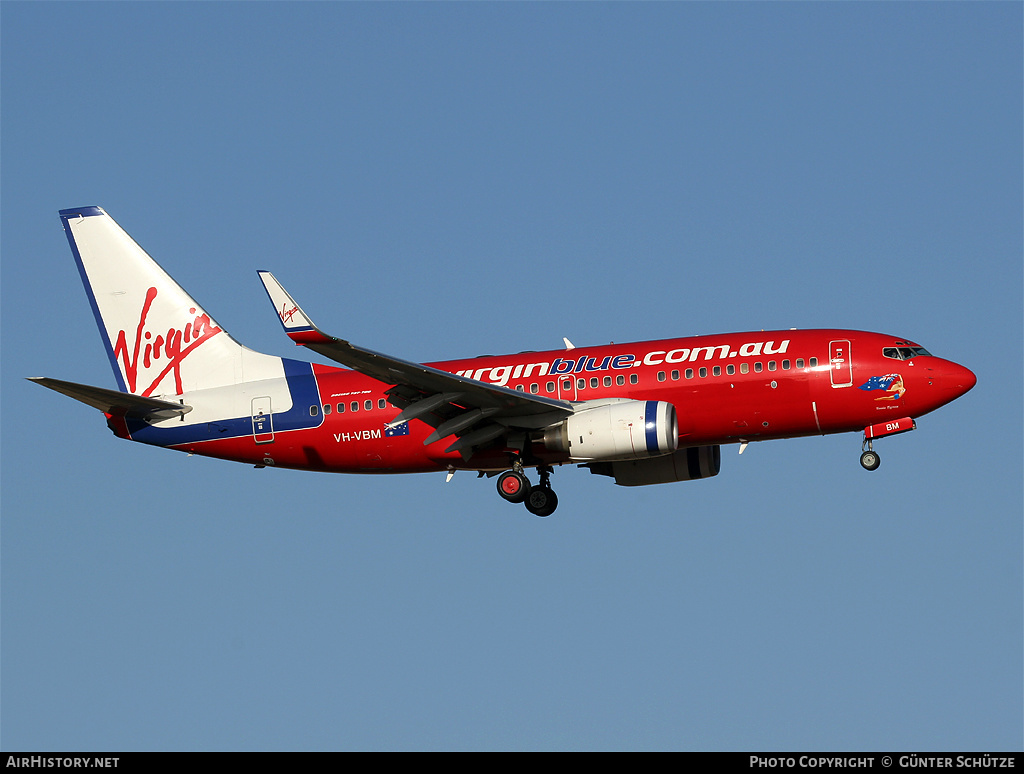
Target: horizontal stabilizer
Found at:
118, 404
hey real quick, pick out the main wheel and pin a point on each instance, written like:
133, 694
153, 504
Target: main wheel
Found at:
869, 460
541, 501
513, 486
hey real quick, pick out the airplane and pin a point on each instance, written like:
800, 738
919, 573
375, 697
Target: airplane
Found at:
642, 413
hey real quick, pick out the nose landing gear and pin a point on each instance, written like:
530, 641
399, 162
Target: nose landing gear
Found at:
868, 458
514, 486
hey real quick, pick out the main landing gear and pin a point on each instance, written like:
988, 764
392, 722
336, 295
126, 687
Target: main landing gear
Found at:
514, 486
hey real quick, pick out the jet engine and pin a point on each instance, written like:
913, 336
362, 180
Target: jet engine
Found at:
617, 429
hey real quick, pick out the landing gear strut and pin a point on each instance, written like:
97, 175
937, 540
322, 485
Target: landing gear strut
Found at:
514, 486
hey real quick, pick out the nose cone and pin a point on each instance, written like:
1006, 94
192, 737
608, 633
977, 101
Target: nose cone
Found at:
957, 379
949, 380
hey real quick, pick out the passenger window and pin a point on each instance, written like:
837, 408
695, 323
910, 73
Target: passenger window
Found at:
381, 403
327, 409
314, 411
799, 362
581, 383
785, 365
744, 368
814, 362
634, 379
354, 405
689, 373
368, 405
341, 408
550, 386
675, 376
620, 379
758, 367
661, 376
771, 365
717, 370
607, 381
703, 372
534, 388
519, 388
593, 381
567, 384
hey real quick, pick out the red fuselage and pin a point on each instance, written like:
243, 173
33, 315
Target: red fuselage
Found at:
726, 388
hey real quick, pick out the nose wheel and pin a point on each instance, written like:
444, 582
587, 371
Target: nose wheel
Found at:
514, 486
869, 460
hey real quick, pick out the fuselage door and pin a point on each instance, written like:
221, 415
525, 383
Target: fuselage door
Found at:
842, 363
262, 420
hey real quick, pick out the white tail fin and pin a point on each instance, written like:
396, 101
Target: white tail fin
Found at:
159, 340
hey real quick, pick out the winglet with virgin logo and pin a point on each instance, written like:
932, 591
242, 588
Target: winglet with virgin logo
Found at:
297, 325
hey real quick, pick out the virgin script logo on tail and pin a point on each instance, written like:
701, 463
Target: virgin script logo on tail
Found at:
163, 350
286, 314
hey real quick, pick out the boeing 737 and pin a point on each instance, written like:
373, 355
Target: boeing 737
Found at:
650, 412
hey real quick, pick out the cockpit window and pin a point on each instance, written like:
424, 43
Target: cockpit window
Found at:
905, 353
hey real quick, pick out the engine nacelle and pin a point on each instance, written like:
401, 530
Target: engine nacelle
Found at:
684, 465
616, 430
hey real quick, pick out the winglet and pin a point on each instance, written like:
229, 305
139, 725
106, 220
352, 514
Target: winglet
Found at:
297, 325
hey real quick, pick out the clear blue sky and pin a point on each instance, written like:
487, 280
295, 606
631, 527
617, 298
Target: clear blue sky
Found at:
450, 179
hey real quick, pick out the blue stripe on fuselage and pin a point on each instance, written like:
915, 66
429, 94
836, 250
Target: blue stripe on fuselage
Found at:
304, 393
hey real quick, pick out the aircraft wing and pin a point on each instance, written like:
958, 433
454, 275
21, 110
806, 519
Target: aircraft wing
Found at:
477, 412
118, 404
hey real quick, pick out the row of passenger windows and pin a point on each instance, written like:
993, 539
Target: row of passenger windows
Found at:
773, 365
620, 380
595, 382
689, 373
353, 406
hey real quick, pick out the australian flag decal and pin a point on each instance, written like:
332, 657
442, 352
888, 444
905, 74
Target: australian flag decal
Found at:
879, 382
890, 384
402, 429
